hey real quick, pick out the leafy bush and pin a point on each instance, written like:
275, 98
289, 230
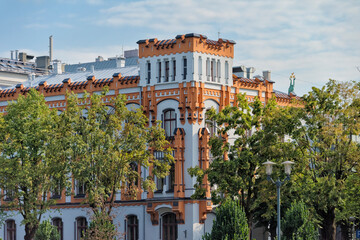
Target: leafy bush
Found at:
47, 231
230, 223
298, 224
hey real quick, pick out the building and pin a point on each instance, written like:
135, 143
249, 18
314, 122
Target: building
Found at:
176, 81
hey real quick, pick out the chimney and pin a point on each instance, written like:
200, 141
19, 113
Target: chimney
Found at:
249, 72
267, 75
16, 55
240, 71
57, 67
51, 48
12, 54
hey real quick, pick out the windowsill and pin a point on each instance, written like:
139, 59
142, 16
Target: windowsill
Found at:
170, 191
79, 196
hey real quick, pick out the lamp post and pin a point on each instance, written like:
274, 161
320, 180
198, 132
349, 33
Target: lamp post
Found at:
278, 183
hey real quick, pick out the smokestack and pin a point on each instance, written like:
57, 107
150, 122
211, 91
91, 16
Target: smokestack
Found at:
51, 48
16, 55
12, 54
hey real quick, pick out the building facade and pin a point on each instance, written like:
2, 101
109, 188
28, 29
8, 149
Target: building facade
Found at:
176, 81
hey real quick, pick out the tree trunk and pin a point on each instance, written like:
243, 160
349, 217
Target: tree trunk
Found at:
29, 231
250, 224
328, 225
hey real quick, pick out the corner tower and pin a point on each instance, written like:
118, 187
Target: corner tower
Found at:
189, 57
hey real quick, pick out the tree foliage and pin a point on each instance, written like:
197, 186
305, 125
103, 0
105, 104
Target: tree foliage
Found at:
248, 135
47, 231
108, 151
331, 155
230, 223
32, 163
298, 224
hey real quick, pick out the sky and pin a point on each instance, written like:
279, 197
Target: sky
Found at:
315, 39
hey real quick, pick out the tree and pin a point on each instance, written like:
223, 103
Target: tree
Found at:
110, 146
32, 163
331, 155
249, 135
230, 223
297, 224
47, 231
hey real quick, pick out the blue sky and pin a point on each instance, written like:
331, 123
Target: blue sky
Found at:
316, 39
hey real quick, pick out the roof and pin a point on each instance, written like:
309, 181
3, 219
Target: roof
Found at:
81, 76
189, 35
8, 65
279, 94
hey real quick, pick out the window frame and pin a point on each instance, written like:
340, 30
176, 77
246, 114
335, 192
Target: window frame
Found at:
60, 227
171, 121
10, 230
148, 66
132, 223
169, 223
81, 227
185, 63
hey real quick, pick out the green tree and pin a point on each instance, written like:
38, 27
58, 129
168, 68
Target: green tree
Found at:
32, 160
230, 223
330, 120
298, 224
46, 231
109, 149
249, 135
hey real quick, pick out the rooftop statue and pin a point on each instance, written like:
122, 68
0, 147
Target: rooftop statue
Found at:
292, 84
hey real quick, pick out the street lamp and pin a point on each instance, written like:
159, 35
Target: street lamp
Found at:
278, 183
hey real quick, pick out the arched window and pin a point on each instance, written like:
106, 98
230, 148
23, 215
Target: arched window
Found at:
58, 223
10, 230
81, 227
169, 227
132, 227
169, 122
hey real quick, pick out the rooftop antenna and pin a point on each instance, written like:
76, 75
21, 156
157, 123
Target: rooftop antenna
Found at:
218, 34
358, 68
122, 49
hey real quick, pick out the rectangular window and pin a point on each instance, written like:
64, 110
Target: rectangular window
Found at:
174, 70
208, 69
212, 71
148, 72
200, 68
159, 72
218, 70
185, 68
80, 189
226, 72
172, 178
167, 69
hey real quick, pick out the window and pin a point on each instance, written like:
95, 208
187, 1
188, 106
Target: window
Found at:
56, 191
133, 178
159, 181
212, 71
226, 72
169, 227
200, 68
218, 70
58, 223
167, 69
80, 188
132, 231
169, 122
174, 70
172, 178
185, 68
81, 226
208, 69
8, 195
10, 230
159, 72
148, 72
210, 125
